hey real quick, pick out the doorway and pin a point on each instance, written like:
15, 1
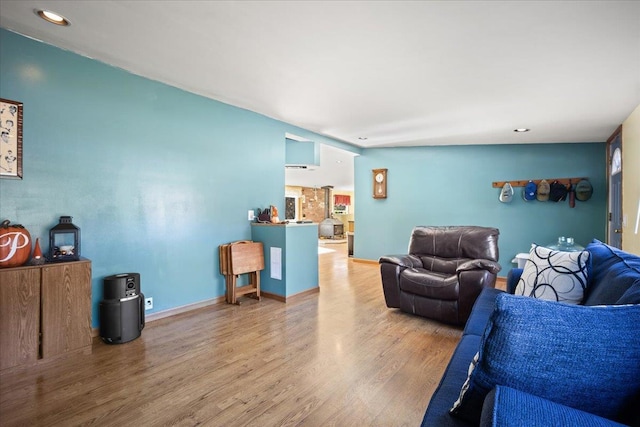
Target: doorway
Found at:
614, 169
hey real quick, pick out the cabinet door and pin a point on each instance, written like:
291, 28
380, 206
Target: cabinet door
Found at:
66, 307
19, 316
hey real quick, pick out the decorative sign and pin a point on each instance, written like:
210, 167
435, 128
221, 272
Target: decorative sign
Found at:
10, 139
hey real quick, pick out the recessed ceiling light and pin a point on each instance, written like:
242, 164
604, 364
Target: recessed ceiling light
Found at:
521, 130
52, 17
338, 161
362, 138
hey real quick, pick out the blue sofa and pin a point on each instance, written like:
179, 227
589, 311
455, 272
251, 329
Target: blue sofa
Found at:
542, 363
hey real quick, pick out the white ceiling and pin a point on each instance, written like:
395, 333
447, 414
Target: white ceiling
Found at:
400, 73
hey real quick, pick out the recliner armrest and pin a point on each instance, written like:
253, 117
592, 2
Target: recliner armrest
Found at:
480, 264
408, 261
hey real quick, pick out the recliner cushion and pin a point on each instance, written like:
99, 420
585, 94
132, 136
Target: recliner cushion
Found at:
429, 284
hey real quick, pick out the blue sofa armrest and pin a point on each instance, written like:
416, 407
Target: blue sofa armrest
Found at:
512, 279
504, 407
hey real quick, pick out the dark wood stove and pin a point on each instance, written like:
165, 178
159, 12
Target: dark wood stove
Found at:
330, 228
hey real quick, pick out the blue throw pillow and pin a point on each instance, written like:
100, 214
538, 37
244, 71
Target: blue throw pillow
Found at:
632, 295
613, 272
587, 358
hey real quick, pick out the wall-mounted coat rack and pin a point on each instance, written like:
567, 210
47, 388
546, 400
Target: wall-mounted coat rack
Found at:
523, 182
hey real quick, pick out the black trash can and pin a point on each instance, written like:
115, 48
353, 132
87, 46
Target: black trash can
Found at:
122, 309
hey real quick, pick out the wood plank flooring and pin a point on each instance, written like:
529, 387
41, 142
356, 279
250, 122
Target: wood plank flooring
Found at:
339, 357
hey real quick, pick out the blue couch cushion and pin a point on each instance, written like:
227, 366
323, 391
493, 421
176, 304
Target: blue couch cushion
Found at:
587, 358
506, 407
613, 271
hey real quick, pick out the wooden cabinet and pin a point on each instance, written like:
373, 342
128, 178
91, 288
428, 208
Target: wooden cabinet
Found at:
45, 311
19, 316
66, 307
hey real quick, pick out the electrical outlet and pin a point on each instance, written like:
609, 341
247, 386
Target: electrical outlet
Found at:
148, 303
251, 215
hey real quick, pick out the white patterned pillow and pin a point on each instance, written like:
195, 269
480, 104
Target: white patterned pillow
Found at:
465, 387
554, 275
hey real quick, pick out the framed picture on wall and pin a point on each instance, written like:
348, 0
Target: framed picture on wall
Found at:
10, 139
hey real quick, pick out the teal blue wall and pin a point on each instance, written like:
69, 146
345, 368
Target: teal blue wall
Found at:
155, 177
299, 257
452, 186
271, 237
302, 152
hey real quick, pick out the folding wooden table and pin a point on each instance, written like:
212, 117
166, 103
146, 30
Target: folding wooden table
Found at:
241, 257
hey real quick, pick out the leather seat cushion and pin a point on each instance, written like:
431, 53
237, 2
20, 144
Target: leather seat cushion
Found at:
429, 284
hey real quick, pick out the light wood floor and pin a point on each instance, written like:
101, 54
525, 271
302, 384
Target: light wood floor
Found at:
336, 358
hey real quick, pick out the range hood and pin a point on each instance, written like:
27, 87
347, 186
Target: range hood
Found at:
301, 154
309, 167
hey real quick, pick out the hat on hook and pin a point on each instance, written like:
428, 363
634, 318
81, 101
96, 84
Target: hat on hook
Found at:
506, 194
584, 190
558, 192
542, 193
529, 191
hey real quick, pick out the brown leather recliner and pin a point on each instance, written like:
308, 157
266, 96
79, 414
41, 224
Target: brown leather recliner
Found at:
444, 272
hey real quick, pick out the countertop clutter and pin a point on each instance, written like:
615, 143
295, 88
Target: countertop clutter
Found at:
269, 216
285, 223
